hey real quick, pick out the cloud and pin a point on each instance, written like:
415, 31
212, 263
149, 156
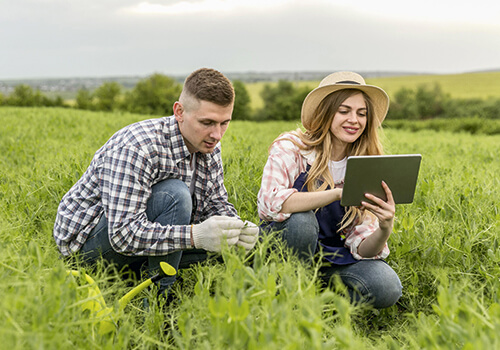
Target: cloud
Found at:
436, 11
129, 37
203, 6
442, 11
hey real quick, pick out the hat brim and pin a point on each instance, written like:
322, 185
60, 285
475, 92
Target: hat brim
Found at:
379, 98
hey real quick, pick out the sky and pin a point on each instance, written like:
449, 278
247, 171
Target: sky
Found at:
103, 38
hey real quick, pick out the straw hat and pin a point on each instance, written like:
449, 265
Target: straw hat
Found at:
339, 81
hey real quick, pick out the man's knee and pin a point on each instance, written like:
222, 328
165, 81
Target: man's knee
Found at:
171, 201
175, 187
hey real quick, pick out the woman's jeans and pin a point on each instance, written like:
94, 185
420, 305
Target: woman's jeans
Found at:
372, 281
170, 204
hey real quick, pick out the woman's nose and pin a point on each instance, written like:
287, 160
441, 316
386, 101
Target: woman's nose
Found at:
352, 117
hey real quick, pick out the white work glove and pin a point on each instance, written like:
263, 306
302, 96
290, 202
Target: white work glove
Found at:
248, 236
211, 233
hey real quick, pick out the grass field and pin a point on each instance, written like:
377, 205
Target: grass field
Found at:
470, 85
445, 248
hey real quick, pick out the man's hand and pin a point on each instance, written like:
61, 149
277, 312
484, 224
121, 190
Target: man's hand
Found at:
248, 236
211, 233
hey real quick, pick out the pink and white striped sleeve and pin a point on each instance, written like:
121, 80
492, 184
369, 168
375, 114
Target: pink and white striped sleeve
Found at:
357, 233
282, 168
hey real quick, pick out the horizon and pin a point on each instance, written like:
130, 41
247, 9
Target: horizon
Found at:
368, 73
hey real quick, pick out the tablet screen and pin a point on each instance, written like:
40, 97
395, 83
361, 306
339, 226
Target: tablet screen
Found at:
364, 174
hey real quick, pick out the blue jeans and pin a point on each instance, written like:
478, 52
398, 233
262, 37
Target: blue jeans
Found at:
170, 204
372, 281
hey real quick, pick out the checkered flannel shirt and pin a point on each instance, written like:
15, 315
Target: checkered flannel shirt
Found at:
284, 165
118, 182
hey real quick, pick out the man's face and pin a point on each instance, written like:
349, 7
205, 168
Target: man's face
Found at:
202, 125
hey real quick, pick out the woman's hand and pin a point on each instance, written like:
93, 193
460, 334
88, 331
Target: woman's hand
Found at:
384, 211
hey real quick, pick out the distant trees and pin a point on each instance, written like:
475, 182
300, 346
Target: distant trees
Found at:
107, 96
282, 101
24, 96
242, 109
422, 103
84, 99
431, 102
154, 95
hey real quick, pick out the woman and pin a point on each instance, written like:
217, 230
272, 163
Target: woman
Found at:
302, 187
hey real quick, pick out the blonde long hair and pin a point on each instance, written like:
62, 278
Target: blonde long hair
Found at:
319, 138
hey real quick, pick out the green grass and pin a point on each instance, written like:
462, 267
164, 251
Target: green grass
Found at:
467, 85
472, 125
445, 248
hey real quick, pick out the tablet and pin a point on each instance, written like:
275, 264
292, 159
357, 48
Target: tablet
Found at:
364, 174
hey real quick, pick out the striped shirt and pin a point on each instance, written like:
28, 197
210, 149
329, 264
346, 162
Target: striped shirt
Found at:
118, 182
284, 165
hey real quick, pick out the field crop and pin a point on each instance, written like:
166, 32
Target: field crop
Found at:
445, 248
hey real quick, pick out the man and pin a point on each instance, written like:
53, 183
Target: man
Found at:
154, 192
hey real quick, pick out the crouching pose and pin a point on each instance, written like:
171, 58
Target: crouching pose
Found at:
302, 187
155, 191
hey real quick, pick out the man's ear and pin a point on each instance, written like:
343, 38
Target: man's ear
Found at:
178, 111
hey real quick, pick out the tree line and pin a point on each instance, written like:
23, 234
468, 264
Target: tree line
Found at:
284, 102
431, 102
156, 94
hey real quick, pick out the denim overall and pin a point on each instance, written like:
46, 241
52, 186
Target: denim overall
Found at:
329, 218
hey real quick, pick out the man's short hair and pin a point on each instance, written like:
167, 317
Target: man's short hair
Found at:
209, 85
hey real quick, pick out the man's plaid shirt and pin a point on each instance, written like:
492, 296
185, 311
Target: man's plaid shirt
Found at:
118, 182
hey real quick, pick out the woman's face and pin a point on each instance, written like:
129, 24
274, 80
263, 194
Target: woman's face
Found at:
350, 120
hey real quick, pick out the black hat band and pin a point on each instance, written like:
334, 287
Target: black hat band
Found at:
348, 82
